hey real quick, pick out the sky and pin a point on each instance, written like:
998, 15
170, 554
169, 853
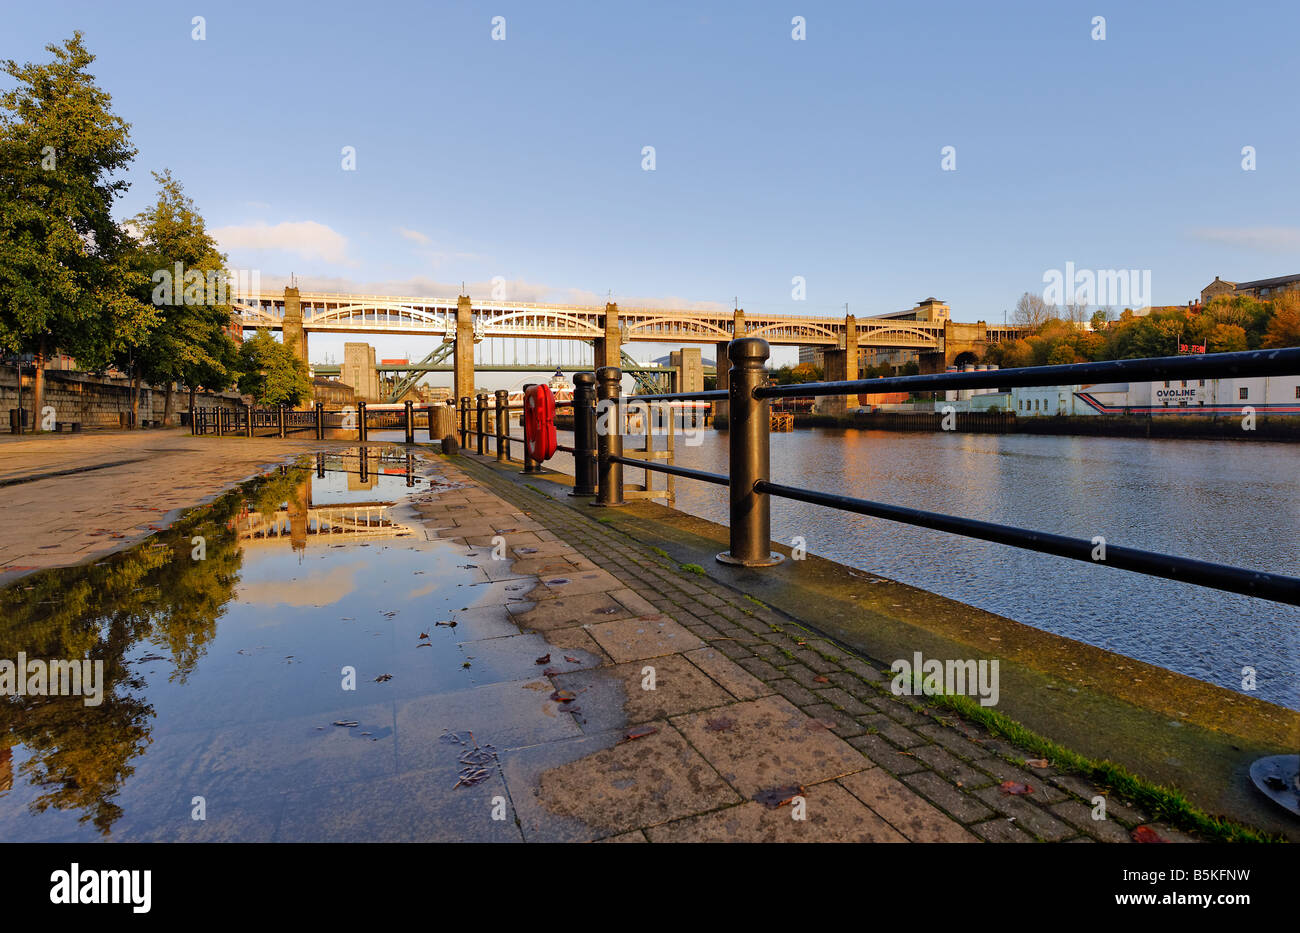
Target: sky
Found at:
523, 158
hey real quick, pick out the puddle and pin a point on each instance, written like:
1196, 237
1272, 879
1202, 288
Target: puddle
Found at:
273, 669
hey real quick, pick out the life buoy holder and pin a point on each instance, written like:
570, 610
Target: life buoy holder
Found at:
539, 423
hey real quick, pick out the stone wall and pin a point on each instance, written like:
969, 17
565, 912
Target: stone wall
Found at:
97, 401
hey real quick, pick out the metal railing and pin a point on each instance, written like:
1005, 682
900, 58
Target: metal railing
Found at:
751, 487
248, 421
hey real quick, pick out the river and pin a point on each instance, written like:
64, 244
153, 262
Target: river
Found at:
1228, 502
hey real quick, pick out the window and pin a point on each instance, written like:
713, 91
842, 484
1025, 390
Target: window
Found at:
1243, 394
1166, 383
1297, 391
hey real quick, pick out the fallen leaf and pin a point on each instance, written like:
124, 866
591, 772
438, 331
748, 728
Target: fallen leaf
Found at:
572, 660
564, 696
778, 796
1146, 834
821, 680
347, 723
1037, 762
544, 659
638, 732
383, 678
1015, 787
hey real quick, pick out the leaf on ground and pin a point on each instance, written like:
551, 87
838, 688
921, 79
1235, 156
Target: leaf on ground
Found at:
1015, 788
544, 659
638, 732
821, 679
424, 634
1146, 834
719, 724
564, 696
383, 678
346, 723
1037, 762
775, 797
551, 672
572, 660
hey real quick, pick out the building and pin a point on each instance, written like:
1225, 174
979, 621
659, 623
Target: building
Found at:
332, 393
358, 371
1271, 395
1261, 289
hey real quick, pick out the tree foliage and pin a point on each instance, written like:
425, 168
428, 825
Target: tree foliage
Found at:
271, 373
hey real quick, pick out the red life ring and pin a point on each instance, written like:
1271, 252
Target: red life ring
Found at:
539, 423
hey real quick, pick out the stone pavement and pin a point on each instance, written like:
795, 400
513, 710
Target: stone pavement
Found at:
682, 709
748, 708
69, 498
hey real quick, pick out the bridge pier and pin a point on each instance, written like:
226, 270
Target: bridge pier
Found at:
463, 379
841, 364
609, 349
723, 369
293, 334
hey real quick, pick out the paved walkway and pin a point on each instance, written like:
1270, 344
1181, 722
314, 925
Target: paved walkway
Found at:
75, 497
688, 710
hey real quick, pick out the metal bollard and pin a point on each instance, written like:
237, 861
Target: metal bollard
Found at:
481, 421
320, 421
282, 430
194, 428
751, 518
584, 434
248, 413
503, 428
361, 422
410, 423
464, 421
609, 475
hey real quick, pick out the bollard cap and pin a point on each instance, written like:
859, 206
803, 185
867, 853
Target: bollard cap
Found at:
584, 379
748, 350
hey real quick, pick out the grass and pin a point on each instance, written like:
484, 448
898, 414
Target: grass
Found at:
1164, 803
693, 568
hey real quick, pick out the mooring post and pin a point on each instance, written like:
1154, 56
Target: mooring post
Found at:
529, 466
464, 421
503, 425
248, 413
320, 421
751, 519
481, 421
361, 422
609, 436
283, 432
193, 427
410, 422
584, 434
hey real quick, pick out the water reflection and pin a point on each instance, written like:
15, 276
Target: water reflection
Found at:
228, 627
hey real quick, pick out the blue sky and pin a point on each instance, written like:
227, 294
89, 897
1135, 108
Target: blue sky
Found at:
522, 158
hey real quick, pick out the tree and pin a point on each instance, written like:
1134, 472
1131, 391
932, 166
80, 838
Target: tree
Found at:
1032, 311
187, 285
1226, 338
63, 279
1284, 326
271, 373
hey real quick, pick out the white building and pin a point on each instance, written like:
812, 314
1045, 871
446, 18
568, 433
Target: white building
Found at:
1271, 395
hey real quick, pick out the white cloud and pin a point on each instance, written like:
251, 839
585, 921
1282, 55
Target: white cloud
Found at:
415, 235
1260, 239
305, 238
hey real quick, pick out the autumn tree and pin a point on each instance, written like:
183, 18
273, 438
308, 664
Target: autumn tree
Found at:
1284, 326
64, 281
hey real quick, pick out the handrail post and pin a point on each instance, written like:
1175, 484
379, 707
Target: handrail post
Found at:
529, 465
221, 424
609, 474
503, 434
282, 426
464, 421
410, 422
193, 426
320, 421
361, 421
481, 421
584, 434
751, 515
248, 413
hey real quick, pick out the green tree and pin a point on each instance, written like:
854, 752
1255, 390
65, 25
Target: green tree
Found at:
189, 343
64, 280
271, 373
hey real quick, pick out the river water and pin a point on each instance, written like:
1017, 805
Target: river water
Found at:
1222, 501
